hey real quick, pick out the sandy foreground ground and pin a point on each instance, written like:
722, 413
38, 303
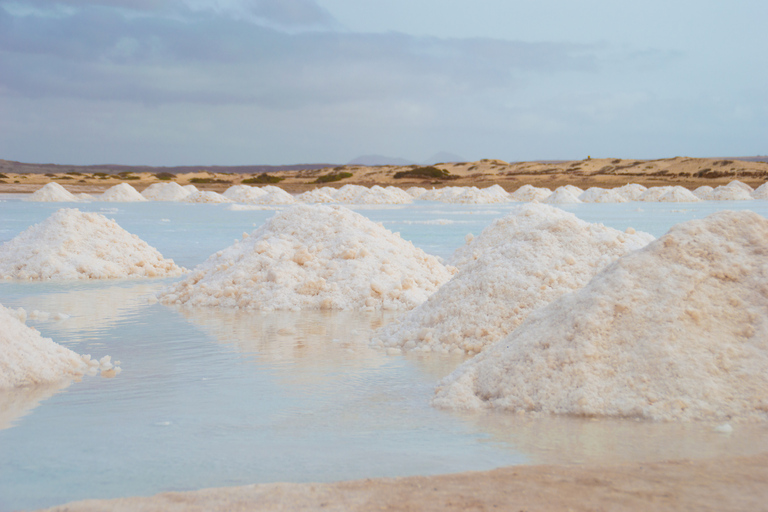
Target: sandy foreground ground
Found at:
592, 172
731, 484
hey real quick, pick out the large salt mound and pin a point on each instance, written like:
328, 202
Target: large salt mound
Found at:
519, 263
243, 193
653, 194
734, 191
74, 245
474, 195
165, 192
529, 193
674, 331
601, 195
314, 257
761, 192
26, 358
122, 193
318, 195
52, 192
704, 192
273, 195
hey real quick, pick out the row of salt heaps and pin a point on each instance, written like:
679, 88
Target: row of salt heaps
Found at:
674, 330
360, 195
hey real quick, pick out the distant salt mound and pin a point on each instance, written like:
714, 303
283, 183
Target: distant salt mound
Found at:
734, 191
28, 359
318, 195
474, 195
74, 245
528, 193
207, 196
562, 195
273, 195
416, 192
314, 257
190, 188
85, 198
122, 193
679, 194
380, 195
631, 191
52, 192
243, 193
601, 195
521, 262
704, 192
761, 192
674, 331
653, 194
165, 192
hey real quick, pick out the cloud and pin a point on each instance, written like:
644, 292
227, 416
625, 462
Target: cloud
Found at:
219, 59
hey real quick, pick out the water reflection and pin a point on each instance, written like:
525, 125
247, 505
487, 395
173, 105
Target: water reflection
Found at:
89, 311
566, 440
309, 346
18, 402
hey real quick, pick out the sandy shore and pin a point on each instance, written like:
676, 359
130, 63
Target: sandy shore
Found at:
732, 484
593, 172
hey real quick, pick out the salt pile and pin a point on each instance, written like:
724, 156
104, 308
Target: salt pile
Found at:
679, 194
530, 193
761, 192
74, 245
207, 196
562, 195
653, 194
519, 263
27, 359
52, 192
165, 192
273, 195
631, 191
674, 331
601, 195
122, 193
318, 195
474, 195
314, 257
243, 193
357, 194
734, 191
416, 192
704, 192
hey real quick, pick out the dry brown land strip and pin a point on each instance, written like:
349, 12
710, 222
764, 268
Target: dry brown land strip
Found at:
595, 172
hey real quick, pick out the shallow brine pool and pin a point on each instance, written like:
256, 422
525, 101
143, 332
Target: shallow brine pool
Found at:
216, 398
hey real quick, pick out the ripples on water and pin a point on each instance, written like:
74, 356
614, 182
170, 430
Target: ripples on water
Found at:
213, 398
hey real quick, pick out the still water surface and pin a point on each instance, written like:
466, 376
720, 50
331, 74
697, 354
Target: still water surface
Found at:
210, 398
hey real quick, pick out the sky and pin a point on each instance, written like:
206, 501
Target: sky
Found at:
239, 82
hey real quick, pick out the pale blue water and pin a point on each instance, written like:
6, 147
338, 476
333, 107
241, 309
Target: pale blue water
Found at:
217, 398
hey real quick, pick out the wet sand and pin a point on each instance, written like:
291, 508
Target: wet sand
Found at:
732, 484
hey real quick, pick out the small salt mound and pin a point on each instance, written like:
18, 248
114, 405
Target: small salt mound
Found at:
74, 245
530, 193
521, 262
400, 195
653, 194
207, 196
314, 257
274, 195
761, 192
731, 192
674, 331
441, 194
631, 191
26, 358
243, 193
679, 195
380, 195
704, 192
741, 185
165, 192
474, 195
318, 195
52, 192
573, 189
122, 193
416, 192
601, 195
562, 195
